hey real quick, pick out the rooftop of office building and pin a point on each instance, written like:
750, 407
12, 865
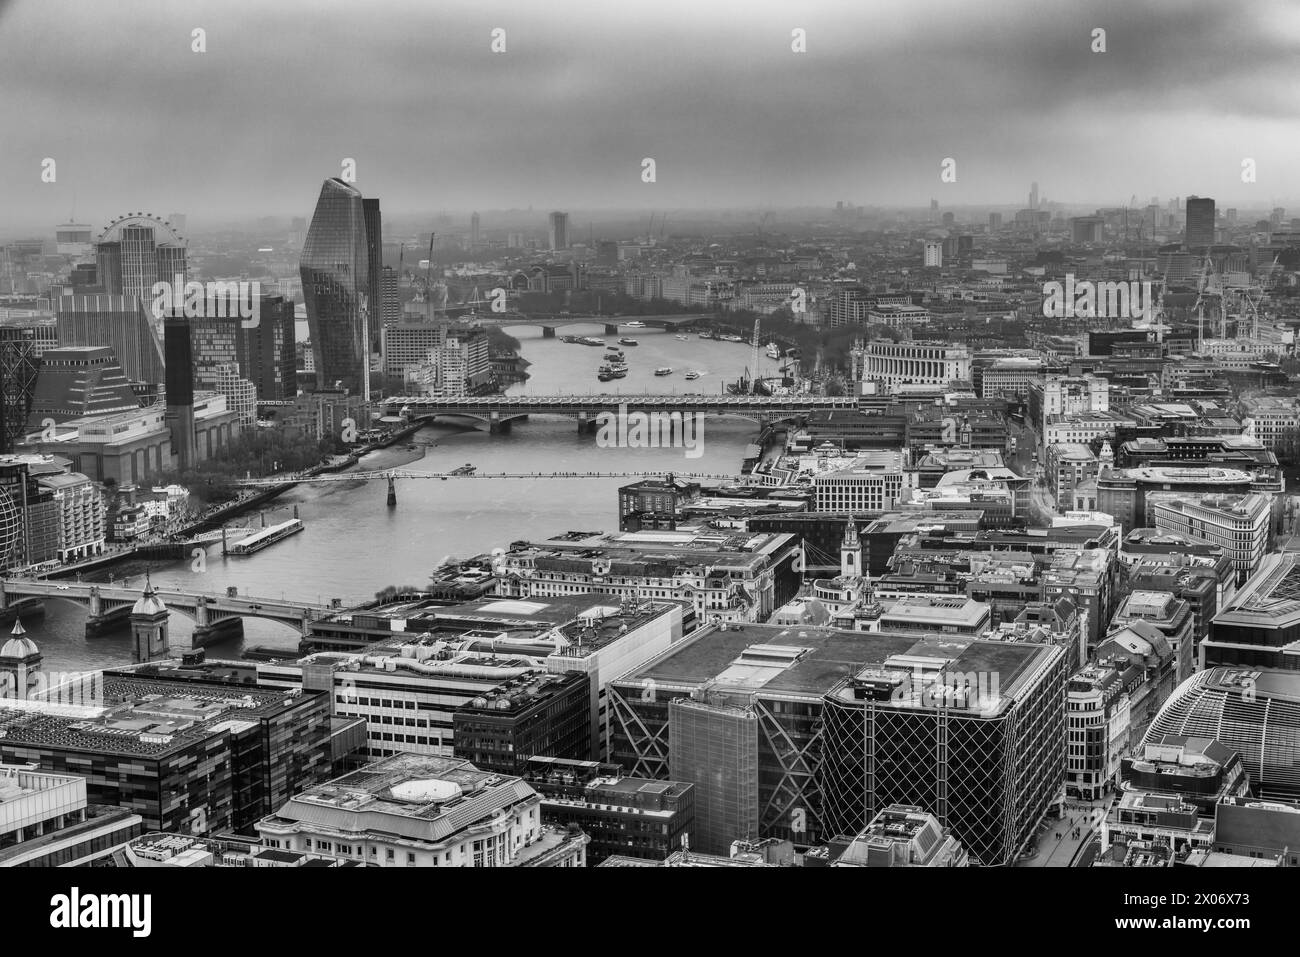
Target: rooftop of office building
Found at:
1183, 755
148, 717
1148, 604
957, 458
1190, 475
867, 462
589, 619
688, 547
1250, 504
1158, 541
810, 661
183, 850
1269, 599
37, 463
941, 610
419, 796
525, 691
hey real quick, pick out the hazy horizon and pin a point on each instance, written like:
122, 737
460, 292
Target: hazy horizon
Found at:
735, 121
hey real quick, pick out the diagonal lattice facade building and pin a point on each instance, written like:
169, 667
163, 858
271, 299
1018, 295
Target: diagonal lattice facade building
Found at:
807, 761
988, 774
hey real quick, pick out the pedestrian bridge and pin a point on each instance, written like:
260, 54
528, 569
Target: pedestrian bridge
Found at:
215, 615
497, 411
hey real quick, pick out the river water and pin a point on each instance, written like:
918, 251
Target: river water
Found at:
355, 545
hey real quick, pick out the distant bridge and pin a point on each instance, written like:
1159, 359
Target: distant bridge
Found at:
549, 322
497, 411
394, 474
214, 615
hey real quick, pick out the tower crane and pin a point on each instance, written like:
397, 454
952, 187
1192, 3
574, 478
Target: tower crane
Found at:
1199, 307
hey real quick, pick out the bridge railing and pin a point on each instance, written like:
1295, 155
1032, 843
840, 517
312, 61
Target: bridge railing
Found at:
115, 592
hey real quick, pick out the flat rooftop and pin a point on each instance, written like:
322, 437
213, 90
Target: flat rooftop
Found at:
634, 550
149, 717
419, 796
810, 661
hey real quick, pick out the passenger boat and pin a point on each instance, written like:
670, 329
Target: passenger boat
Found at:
692, 375
634, 324
683, 338
628, 342
266, 537
665, 370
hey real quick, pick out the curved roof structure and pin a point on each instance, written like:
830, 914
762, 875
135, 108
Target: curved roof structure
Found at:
165, 233
1254, 712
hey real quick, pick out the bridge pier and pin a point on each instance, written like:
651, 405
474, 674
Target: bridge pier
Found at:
611, 329
26, 608
548, 332
392, 493
103, 622
208, 628
217, 631
497, 425
587, 425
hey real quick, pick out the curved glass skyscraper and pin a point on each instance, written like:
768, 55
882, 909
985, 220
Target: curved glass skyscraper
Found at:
336, 275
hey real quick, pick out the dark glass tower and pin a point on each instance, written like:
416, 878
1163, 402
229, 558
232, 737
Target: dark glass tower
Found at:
374, 276
335, 269
180, 391
1200, 222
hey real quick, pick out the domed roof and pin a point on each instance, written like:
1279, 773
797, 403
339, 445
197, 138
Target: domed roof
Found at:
148, 603
19, 646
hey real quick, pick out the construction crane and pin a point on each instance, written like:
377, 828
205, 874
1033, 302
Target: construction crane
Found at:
1252, 304
1199, 307
428, 282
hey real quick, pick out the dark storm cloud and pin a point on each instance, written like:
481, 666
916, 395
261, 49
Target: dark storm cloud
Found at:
711, 91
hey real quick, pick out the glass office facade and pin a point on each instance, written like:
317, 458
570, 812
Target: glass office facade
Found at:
335, 269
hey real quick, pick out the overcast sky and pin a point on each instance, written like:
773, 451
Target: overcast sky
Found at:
711, 90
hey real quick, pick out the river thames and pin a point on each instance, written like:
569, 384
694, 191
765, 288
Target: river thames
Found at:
355, 545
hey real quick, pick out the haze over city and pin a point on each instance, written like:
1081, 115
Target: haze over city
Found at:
438, 122
580, 435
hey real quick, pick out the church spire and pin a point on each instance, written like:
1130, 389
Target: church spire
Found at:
851, 552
